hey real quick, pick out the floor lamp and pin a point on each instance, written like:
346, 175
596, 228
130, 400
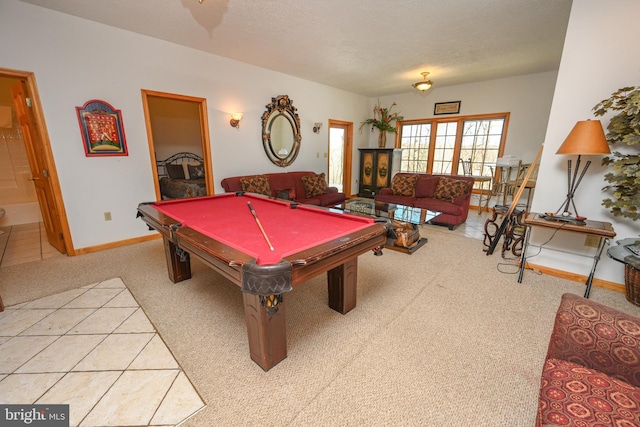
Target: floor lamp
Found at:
586, 138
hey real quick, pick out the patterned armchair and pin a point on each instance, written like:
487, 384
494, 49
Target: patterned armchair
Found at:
591, 375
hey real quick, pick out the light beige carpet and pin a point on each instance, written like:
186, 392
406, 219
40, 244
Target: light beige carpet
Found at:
438, 338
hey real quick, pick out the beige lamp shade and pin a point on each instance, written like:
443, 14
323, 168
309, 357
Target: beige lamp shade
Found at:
586, 138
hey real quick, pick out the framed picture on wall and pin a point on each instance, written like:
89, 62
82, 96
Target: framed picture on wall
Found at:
452, 107
101, 129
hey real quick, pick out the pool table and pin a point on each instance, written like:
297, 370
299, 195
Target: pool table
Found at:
222, 232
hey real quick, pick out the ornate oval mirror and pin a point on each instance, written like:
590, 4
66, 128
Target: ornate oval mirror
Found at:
281, 131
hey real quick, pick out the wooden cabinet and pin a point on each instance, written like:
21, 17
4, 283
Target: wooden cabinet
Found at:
377, 168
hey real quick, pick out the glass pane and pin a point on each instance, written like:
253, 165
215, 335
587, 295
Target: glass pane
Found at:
481, 144
414, 140
336, 157
444, 147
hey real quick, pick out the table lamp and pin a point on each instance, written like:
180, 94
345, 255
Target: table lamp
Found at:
586, 138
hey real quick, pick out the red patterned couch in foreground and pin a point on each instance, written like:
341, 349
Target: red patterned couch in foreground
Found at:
591, 375
449, 194
302, 187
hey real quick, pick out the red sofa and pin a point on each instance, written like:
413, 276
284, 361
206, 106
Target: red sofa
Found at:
288, 185
454, 212
591, 374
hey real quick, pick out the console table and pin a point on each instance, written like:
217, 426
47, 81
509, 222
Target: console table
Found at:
602, 230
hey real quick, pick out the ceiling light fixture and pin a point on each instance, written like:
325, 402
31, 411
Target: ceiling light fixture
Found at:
424, 85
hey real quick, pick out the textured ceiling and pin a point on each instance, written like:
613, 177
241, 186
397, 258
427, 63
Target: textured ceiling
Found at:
374, 47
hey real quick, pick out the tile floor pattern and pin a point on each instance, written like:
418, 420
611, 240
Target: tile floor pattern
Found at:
95, 349
24, 243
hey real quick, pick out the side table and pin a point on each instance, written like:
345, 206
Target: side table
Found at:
631, 268
602, 230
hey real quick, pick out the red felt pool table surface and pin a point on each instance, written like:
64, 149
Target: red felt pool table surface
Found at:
227, 218
222, 232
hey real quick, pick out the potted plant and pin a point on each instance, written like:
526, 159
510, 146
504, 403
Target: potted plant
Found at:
383, 119
623, 128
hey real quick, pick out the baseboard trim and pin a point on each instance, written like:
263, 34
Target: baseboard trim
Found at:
117, 244
600, 283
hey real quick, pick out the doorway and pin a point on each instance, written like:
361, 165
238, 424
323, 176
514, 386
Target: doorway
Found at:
340, 158
25, 128
176, 124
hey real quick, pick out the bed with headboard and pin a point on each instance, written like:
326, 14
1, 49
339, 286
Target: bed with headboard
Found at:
181, 176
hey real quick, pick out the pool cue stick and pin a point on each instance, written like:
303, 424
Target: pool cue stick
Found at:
255, 215
514, 203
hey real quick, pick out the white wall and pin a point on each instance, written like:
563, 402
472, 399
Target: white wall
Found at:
600, 55
75, 60
528, 99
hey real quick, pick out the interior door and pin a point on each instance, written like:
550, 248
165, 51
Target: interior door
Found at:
38, 164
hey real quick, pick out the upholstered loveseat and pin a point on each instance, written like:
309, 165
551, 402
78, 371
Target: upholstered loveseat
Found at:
449, 194
302, 187
591, 374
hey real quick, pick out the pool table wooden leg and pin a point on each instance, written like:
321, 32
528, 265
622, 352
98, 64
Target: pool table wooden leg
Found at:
179, 269
342, 283
267, 333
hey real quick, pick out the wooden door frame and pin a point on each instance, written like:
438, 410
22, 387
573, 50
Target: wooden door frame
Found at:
204, 135
38, 116
348, 152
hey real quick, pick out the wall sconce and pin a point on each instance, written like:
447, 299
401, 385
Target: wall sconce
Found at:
235, 120
316, 127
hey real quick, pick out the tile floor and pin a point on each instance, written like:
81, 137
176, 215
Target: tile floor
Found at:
54, 350
24, 243
94, 349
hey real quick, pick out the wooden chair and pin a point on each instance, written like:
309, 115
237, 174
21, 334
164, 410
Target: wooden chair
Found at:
511, 186
467, 170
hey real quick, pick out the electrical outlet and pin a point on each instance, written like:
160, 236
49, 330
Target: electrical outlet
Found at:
107, 216
591, 241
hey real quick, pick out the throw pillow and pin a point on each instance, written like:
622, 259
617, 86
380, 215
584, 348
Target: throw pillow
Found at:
426, 186
450, 189
196, 171
186, 165
256, 184
286, 194
314, 185
404, 185
175, 171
